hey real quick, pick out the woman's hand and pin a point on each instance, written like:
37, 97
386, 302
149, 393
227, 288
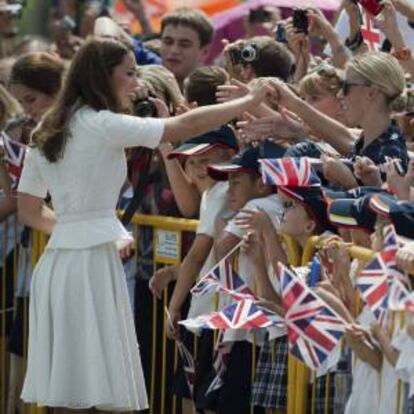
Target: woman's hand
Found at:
297, 42
162, 109
127, 251
284, 125
366, 170
400, 185
337, 172
283, 94
235, 89
318, 23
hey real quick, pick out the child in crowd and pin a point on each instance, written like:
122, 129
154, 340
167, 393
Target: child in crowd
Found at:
246, 192
213, 147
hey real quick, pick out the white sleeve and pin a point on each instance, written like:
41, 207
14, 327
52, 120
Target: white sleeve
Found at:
123, 131
31, 180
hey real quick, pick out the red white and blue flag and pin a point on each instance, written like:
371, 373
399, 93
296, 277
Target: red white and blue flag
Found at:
223, 278
294, 172
314, 329
188, 365
372, 282
14, 153
243, 314
388, 256
220, 362
400, 298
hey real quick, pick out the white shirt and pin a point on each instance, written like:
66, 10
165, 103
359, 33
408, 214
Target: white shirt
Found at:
85, 184
213, 204
364, 397
405, 364
273, 207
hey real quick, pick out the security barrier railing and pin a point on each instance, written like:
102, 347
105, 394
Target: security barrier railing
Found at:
162, 358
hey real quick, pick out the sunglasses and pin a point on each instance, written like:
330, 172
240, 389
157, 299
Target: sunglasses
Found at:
346, 86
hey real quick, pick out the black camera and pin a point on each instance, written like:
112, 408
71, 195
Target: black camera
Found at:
144, 108
300, 20
243, 54
260, 15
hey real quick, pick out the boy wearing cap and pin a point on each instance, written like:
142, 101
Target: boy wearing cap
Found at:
246, 191
215, 146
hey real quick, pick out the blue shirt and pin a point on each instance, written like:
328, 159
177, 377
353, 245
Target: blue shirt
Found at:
390, 143
144, 56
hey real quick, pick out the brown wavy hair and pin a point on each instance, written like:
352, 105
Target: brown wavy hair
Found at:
88, 82
40, 71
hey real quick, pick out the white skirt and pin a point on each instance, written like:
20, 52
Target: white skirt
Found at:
83, 350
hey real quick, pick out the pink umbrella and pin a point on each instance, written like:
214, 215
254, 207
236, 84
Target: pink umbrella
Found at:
229, 24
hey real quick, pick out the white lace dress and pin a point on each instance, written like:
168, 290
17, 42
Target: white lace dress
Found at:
83, 350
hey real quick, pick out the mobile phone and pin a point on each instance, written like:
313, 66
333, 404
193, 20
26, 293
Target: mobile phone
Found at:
300, 20
373, 7
315, 272
280, 34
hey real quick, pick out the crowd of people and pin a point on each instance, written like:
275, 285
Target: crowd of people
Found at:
98, 118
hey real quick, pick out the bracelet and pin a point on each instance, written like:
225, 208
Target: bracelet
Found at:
402, 54
355, 43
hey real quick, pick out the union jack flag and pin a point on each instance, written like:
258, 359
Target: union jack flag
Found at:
314, 329
294, 172
14, 153
222, 277
220, 362
388, 256
244, 314
188, 365
400, 298
373, 284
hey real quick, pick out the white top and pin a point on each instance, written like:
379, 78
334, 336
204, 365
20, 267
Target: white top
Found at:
213, 203
405, 364
364, 397
85, 184
390, 396
273, 207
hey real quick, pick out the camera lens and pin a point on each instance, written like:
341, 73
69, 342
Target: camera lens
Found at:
145, 108
248, 53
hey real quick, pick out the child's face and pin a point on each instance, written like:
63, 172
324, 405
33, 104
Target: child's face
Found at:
295, 220
196, 167
242, 188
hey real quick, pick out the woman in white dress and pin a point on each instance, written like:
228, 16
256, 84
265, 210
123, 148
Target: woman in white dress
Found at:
83, 352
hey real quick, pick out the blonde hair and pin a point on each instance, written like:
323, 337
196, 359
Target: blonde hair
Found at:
160, 79
9, 107
324, 79
382, 71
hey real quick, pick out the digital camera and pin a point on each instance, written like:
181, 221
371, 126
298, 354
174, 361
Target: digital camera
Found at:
243, 54
144, 108
300, 20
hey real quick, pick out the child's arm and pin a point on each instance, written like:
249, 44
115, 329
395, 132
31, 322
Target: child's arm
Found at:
253, 248
185, 193
189, 270
335, 303
259, 222
384, 340
365, 350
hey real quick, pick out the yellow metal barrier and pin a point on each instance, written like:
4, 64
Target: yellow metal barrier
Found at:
167, 245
